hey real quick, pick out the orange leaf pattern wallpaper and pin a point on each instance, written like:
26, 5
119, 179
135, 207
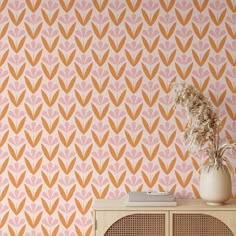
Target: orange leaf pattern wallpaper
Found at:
87, 109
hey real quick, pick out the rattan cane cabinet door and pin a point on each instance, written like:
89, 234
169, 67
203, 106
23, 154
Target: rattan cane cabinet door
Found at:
138, 225
201, 224
132, 223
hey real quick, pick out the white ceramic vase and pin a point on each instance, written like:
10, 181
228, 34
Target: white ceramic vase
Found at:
215, 185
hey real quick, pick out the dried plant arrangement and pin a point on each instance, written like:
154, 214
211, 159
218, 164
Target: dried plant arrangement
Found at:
203, 126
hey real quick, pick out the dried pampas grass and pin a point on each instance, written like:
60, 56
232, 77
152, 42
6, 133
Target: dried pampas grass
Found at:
203, 123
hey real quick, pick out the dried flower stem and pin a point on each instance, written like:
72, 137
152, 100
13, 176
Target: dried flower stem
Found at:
203, 124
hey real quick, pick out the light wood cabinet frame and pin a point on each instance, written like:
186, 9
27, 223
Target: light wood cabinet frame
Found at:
107, 212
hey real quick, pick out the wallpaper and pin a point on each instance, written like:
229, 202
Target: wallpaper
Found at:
87, 109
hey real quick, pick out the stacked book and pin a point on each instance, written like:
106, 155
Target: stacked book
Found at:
150, 199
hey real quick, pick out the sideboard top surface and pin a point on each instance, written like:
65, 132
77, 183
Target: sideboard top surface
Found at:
182, 205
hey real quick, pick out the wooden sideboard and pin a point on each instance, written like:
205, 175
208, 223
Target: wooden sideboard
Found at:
189, 218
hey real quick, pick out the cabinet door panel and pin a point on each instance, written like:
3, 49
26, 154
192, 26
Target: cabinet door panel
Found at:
132, 223
203, 224
138, 225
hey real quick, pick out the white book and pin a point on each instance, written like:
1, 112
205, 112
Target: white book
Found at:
150, 197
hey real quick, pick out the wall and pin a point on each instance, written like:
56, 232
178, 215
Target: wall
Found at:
86, 106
